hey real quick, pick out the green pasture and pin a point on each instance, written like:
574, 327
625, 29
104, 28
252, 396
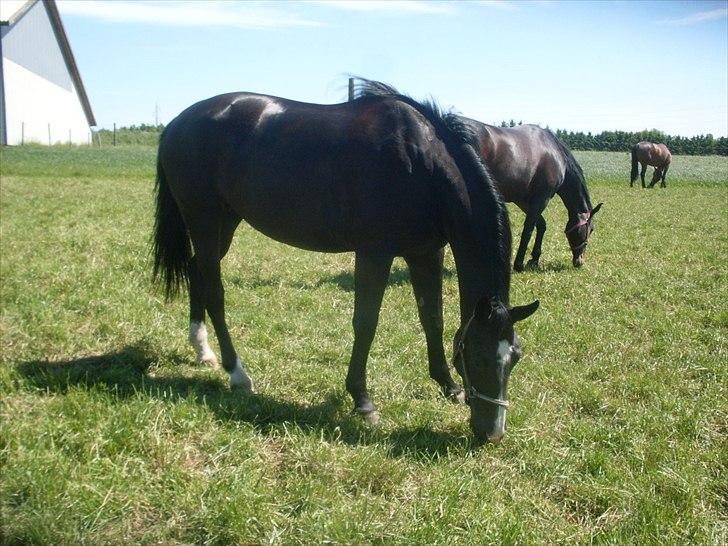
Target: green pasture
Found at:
110, 434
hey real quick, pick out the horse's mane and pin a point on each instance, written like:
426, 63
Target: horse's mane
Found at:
453, 129
450, 121
572, 167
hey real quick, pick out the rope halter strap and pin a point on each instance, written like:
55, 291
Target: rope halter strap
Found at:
470, 390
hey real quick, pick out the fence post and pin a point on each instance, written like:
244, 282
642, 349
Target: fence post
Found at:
70, 141
49, 134
114, 134
22, 133
351, 89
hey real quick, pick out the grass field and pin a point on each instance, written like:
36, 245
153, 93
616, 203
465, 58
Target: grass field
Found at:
110, 434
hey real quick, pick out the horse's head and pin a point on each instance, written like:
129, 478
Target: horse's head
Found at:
577, 233
486, 350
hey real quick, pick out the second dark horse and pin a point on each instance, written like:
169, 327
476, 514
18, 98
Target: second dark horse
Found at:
529, 166
383, 176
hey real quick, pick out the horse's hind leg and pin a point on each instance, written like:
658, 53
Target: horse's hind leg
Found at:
536, 252
198, 330
535, 208
370, 279
642, 174
211, 238
426, 274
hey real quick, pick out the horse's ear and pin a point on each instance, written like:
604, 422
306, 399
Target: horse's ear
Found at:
595, 210
524, 311
487, 309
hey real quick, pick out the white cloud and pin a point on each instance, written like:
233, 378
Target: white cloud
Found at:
410, 6
250, 15
695, 18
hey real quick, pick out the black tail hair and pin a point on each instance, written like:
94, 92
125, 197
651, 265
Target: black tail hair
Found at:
461, 142
171, 246
633, 174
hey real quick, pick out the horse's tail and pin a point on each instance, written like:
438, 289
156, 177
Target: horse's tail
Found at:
172, 249
633, 174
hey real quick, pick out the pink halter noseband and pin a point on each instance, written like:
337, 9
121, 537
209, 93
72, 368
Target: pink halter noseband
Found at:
582, 222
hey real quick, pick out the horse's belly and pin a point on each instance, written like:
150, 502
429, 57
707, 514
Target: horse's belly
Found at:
330, 222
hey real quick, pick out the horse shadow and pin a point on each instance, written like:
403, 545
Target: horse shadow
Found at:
126, 373
398, 276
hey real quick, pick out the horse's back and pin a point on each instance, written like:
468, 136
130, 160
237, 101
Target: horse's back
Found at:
650, 153
321, 177
524, 160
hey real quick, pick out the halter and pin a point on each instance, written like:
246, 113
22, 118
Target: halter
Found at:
470, 390
575, 226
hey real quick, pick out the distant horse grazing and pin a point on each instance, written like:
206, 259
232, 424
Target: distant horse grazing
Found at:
529, 165
656, 155
382, 176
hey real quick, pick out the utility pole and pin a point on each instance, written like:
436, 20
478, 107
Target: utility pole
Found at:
156, 114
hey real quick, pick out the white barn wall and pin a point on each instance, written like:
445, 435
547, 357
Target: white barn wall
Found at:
35, 101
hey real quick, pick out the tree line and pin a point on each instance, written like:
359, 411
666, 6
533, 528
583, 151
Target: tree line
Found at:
611, 141
622, 141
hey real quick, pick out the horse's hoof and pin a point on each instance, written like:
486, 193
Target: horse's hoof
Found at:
371, 418
208, 360
518, 267
240, 381
457, 397
532, 264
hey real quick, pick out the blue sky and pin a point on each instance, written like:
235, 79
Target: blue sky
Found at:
576, 65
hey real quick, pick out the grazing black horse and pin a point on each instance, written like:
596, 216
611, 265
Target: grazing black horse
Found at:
649, 153
529, 165
383, 176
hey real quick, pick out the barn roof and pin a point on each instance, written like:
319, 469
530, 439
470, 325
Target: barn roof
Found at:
14, 12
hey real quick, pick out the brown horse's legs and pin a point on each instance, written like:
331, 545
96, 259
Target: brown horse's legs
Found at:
211, 238
426, 274
655, 177
664, 172
536, 252
370, 279
642, 174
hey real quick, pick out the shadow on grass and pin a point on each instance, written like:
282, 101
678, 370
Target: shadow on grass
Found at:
344, 280
126, 373
398, 276
548, 267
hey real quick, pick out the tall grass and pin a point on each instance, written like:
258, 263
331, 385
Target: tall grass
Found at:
110, 434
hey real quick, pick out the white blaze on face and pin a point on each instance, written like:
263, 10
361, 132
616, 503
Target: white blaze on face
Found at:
505, 351
271, 109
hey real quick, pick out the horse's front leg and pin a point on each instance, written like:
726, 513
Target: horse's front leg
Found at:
426, 274
655, 177
664, 173
370, 279
643, 172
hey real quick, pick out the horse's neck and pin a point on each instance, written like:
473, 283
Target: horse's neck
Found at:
575, 196
480, 240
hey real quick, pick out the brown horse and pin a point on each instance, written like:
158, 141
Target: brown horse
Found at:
529, 166
656, 155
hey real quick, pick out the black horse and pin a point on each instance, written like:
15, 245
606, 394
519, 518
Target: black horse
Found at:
529, 165
383, 176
